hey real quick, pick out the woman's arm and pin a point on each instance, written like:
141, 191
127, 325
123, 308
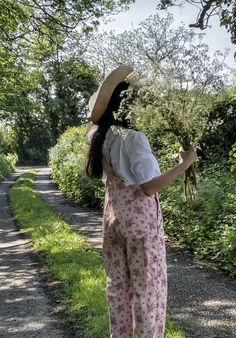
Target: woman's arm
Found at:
160, 182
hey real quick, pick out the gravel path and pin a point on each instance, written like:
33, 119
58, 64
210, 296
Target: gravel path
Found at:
26, 310
201, 300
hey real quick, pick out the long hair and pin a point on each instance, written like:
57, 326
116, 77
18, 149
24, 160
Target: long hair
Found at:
94, 167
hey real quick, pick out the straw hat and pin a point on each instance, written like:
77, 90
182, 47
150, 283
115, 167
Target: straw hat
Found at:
98, 102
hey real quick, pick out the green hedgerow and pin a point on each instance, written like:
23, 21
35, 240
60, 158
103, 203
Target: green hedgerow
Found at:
67, 162
208, 229
232, 159
7, 165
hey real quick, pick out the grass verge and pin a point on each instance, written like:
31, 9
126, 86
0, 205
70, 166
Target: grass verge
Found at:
70, 260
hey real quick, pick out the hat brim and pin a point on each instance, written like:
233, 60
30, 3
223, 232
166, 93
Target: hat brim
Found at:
98, 102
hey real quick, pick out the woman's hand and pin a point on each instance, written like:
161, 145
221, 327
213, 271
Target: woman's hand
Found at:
188, 156
160, 182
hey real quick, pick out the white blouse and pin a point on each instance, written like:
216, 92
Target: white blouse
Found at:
131, 156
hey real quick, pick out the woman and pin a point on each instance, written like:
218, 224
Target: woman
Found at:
133, 248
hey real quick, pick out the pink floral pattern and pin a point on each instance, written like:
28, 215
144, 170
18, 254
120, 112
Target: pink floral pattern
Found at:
135, 261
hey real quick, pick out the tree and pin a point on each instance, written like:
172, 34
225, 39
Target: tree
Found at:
65, 88
32, 19
225, 9
146, 47
44, 88
21, 111
174, 56
42, 103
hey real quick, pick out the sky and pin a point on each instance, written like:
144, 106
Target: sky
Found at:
216, 37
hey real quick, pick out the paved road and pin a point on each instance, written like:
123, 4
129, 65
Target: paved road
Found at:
26, 309
201, 300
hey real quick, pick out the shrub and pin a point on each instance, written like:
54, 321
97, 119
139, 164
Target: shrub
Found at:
209, 228
7, 165
7, 141
232, 159
7, 157
67, 161
220, 132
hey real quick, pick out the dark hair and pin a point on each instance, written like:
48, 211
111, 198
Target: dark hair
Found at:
94, 166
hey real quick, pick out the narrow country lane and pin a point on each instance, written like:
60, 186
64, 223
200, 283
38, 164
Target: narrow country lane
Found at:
201, 300
26, 309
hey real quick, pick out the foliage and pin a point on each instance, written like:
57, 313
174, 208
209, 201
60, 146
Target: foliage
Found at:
40, 104
232, 159
67, 161
209, 228
226, 9
33, 139
20, 111
146, 47
72, 262
174, 56
7, 165
23, 22
6, 141
220, 134
66, 86
7, 157
182, 113
177, 111
45, 84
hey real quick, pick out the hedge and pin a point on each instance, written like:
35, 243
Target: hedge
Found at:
67, 162
232, 159
7, 165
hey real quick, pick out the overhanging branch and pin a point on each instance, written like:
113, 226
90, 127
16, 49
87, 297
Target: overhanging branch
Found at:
204, 15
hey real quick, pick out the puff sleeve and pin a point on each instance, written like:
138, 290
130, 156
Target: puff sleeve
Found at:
143, 164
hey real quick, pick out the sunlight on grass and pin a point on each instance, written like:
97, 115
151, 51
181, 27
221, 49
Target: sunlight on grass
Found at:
70, 260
